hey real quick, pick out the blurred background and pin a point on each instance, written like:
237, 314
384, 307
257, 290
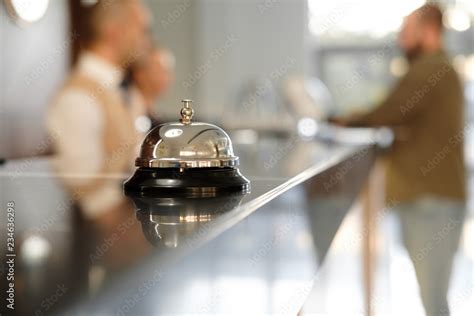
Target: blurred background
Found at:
244, 62
228, 54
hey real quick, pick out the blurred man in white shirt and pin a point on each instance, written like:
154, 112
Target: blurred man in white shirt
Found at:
95, 136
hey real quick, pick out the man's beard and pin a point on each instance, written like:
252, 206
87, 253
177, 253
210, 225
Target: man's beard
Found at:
414, 52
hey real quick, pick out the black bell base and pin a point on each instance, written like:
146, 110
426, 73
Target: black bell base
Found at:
192, 182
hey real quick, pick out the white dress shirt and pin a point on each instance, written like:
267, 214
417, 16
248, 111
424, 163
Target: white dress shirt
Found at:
77, 123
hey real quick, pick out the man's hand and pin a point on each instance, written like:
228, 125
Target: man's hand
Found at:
348, 120
340, 121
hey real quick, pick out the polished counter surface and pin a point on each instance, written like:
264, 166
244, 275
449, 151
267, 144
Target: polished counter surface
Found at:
253, 254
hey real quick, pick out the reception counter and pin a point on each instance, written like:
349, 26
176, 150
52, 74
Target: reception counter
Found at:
249, 253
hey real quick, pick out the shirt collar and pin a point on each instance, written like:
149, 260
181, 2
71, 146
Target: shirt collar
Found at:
100, 70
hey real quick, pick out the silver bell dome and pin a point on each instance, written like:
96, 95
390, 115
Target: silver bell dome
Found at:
187, 145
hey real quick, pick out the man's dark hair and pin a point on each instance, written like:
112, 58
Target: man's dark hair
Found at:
90, 17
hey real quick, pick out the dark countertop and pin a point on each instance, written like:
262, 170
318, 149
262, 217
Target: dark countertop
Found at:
247, 254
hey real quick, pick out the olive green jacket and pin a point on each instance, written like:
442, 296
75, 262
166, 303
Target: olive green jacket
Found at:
426, 111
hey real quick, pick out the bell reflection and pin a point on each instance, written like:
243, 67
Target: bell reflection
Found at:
171, 222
